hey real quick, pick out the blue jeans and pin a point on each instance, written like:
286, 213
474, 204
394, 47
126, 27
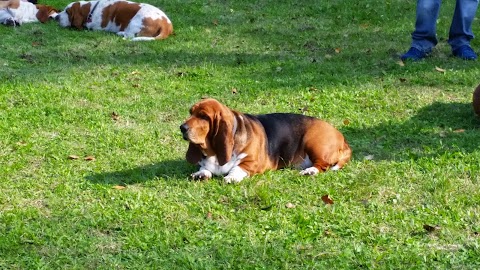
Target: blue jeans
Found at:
424, 37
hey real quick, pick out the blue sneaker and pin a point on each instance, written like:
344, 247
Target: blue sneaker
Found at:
414, 54
465, 52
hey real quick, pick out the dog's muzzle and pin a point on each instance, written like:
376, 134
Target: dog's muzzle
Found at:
184, 130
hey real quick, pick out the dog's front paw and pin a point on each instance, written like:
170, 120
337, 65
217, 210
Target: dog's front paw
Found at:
235, 175
202, 175
12, 22
309, 171
229, 179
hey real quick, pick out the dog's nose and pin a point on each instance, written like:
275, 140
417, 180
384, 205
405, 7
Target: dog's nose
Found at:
184, 128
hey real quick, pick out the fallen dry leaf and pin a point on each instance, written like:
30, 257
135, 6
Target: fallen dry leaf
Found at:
118, 187
73, 157
346, 122
459, 130
209, 215
115, 116
328, 56
89, 158
338, 50
440, 69
135, 72
326, 199
290, 205
401, 63
430, 228
369, 157
215, 22
234, 90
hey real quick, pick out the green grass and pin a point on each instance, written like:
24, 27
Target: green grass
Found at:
412, 130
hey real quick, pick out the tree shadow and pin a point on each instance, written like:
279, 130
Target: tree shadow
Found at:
167, 170
436, 129
300, 50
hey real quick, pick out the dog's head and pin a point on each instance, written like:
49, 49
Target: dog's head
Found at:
209, 129
46, 12
74, 15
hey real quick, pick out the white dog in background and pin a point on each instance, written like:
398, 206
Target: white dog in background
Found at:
135, 21
17, 12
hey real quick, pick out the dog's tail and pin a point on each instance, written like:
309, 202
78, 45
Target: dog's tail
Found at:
165, 29
344, 156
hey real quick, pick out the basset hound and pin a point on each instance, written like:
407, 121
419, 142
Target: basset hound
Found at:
135, 21
226, 142
17, 12
476, 100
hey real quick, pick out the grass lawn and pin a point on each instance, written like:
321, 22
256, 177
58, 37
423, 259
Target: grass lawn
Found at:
93, 173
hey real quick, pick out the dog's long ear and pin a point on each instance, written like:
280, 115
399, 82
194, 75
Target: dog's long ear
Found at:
78, 14
222, 139
44, 12
74, 16
194, 155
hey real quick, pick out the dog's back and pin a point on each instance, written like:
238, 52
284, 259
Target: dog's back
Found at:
291, 136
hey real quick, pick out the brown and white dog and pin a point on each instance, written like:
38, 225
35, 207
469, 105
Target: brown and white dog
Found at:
226, 142
17, 12
135, 21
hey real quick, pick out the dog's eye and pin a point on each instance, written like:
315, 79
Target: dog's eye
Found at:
203, 116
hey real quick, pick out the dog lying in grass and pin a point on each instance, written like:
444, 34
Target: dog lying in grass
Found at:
135, 21
226, 142
17, 12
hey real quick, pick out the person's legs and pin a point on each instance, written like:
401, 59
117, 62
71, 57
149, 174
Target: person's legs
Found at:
461, 29
424, 38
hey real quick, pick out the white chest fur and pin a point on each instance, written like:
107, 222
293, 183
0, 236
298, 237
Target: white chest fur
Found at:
211, 164
233, 172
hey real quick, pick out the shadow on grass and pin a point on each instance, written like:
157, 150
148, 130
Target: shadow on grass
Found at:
167, 170
287, 58
437, 129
